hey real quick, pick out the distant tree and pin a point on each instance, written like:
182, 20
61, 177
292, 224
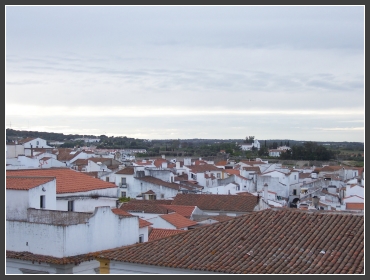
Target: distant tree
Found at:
274, 145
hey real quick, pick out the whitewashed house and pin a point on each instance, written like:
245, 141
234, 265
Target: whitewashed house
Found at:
75, 191
43, 240
30, 143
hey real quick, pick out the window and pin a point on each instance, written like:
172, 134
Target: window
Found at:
294, 192
42, 201
70, 205
123, 181
218, 175
162, 195
107, 179
37, 143
141, 238
123, 194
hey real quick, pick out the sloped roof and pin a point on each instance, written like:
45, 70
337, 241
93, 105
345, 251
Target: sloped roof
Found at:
25, 140
67, 180
157, 233
25, 183
120, 212
126, 171
284, 241
145, 208
183, 210
27, 256
156, 181
203, 168
178, 220
217, 202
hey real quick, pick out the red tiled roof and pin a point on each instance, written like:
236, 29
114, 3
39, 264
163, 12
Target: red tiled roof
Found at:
27, 256
331, 168
25, 140
156, 181
144, 223
68, 180
221, 163
203, 168
178, 220
25, 183
245, 193
145, 208
252, 168
157, 233
183, 210
252, 162
120, 212
217, 202
284, 241
355, 206
232, 171
126, 171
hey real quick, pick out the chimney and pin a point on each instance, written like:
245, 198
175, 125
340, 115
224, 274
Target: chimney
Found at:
265, 191
163, 156
177, 164
31, 151
315, 201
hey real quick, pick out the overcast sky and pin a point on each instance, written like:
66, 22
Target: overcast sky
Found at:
168, 72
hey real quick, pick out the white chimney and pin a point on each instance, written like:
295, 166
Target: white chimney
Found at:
163, 156
187, 161
177, 164
265, 191
164, 164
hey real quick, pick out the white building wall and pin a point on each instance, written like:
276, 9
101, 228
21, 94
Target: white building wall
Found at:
104, 230
17, 201
84, 202
36, 143
16, 204
140, 186
12, 151
158, 222
144, 232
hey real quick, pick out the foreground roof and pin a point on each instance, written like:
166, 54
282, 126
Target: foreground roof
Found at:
284, 241
67, 180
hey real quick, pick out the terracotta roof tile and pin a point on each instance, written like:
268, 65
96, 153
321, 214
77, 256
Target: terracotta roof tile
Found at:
27, 256
286, 241
120, 212
217, 202
183, 210
156, 181
68, 180
26, 183
178, 220
145, 208
203, 168
157, 233
126, 170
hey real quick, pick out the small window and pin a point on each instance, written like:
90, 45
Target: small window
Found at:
123, 181
218, 175
70, 205
42, 201
162, 195
294, 192
141, 238
123, 194
107, 179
